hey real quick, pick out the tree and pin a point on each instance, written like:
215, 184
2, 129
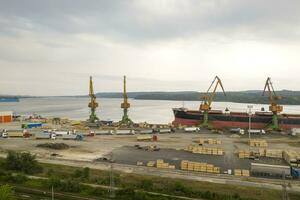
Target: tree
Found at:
24, 162
86, 172
6, 193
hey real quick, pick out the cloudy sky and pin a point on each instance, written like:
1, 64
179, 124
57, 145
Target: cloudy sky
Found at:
50, 47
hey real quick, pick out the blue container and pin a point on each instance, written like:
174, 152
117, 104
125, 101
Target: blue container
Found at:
32, 125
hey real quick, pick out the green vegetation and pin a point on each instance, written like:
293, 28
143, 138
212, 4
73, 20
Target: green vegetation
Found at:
6, 193
23, 162
288, 97
88, 182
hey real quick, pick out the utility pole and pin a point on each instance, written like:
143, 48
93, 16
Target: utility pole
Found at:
52, 193
285, 195
111, 178
250, 114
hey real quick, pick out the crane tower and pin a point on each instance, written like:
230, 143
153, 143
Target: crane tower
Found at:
208, 99
274, 107
92, 104
125, 106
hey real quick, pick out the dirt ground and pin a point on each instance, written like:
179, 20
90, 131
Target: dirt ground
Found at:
171, 145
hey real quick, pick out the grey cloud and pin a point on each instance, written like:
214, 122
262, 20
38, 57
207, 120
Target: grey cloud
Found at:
129, 21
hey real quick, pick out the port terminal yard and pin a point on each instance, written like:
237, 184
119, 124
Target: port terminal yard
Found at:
132, 150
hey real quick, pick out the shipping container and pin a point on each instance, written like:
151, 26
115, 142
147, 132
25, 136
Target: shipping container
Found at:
6, 116
124, 132
40, 136
61, 133
32, 125
103, 132
146, 131
15, 133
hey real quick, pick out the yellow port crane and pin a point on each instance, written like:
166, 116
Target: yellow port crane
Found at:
92, 104
125, 105
208, 99
274, 107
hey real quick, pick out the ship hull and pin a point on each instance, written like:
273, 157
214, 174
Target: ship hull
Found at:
228, 120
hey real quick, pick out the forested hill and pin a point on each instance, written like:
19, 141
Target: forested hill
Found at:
255, 96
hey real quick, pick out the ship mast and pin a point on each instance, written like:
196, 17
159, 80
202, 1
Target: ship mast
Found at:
125, 106
208, 99
92, 104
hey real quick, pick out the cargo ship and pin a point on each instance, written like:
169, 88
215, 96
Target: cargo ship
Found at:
226, 120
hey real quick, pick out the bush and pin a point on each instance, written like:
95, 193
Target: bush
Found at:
77, 173
70, 185
86, 172
6, 193
24, 162
146, 184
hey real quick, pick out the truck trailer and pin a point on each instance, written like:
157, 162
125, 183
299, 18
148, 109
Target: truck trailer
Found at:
260, 169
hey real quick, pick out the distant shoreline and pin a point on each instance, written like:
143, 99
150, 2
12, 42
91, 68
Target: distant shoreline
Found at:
255, 96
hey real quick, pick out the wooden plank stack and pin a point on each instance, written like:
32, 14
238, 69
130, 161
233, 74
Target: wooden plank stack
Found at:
205, 150
208, 141
274, 153
292, 157
258, 143
163, 165
200, 167
241, 172
151, 164
244, 154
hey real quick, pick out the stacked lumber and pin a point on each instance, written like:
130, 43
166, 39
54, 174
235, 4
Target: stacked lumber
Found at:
199, 167
205, 150
208, 141
241, 172
258, 143
151, 164
274, 153
163, 165
292, 157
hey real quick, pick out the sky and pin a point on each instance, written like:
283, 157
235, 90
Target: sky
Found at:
51, 47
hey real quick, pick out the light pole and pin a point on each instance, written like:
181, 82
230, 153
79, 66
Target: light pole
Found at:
250, 113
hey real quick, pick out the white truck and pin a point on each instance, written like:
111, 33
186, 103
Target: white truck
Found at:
257, 131
165, 130
238, 131
191, 129
295, 131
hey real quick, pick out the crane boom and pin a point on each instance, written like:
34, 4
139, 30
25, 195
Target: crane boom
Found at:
274, 107
208, 98
273, 97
